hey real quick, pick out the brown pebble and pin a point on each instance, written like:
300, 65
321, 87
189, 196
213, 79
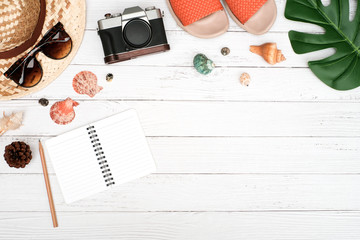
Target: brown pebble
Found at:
109, 77
225, 51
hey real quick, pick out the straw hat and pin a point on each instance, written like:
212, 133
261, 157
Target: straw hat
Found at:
22, 24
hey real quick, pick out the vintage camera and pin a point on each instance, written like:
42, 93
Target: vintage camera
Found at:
134, 33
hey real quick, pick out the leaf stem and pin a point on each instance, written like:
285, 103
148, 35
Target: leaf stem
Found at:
337, 28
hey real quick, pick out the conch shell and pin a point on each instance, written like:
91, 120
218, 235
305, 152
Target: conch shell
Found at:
11, 122
269, 52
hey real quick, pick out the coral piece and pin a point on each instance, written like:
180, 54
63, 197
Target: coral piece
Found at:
85, 82
11, 122
43, 102
269, 52
245, 79
225, 51
202, 64
17, 154
63, 112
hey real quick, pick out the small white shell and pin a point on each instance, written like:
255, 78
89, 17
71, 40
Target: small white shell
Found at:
245, 79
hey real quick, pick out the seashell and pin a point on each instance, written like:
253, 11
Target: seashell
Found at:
202, 64
63, 112
245, 79
11, 122
269, 52
85, 82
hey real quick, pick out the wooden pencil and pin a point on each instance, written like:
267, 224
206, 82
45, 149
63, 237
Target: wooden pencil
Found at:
47, 183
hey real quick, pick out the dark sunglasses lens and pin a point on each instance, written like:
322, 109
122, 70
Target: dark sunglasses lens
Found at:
28, 76
59, 47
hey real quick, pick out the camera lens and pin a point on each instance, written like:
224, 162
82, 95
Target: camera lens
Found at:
137, 33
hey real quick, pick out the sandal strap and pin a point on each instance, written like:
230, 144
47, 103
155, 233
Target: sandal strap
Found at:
244, 9
190, 11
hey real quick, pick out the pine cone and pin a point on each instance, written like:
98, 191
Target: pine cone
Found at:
17, 154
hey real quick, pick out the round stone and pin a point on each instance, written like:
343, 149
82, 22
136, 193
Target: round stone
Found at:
109, 77
43, 102
225, 51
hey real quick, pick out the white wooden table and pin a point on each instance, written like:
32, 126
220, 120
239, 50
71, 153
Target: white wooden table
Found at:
277, 160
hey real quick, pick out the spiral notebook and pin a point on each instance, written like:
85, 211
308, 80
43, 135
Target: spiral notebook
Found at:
95, 157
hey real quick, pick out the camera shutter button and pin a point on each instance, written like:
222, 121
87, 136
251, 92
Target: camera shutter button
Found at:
150, 8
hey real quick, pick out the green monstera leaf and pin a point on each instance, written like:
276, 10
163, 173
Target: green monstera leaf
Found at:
341, 70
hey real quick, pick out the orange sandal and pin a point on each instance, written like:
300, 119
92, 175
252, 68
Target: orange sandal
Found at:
255, 16
200, 18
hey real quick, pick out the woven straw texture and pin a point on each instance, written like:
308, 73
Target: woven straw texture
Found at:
21, 15
69, 12
189, 11
245, 9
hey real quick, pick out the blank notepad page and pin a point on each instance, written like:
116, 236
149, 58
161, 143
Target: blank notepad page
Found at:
125, 147
93, 158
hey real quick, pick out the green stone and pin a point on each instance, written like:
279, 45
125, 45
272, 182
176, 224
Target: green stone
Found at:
202, 64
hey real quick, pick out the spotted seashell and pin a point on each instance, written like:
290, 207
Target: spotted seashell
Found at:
245, 79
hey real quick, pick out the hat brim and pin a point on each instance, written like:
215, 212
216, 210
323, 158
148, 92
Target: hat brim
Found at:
72, 14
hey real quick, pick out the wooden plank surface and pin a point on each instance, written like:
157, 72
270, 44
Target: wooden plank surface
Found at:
278, 155
180, 226
276, 160
173, 118
184, 83
193, 192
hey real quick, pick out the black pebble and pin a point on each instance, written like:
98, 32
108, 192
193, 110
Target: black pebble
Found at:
44, 102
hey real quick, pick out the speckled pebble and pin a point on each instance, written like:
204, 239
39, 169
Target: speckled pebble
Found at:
109, 77
43, 102
225, 51
202, 64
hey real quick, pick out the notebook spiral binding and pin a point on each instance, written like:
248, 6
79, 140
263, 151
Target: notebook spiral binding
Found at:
104, 166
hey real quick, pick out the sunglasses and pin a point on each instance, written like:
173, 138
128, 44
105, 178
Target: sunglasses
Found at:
27, 71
